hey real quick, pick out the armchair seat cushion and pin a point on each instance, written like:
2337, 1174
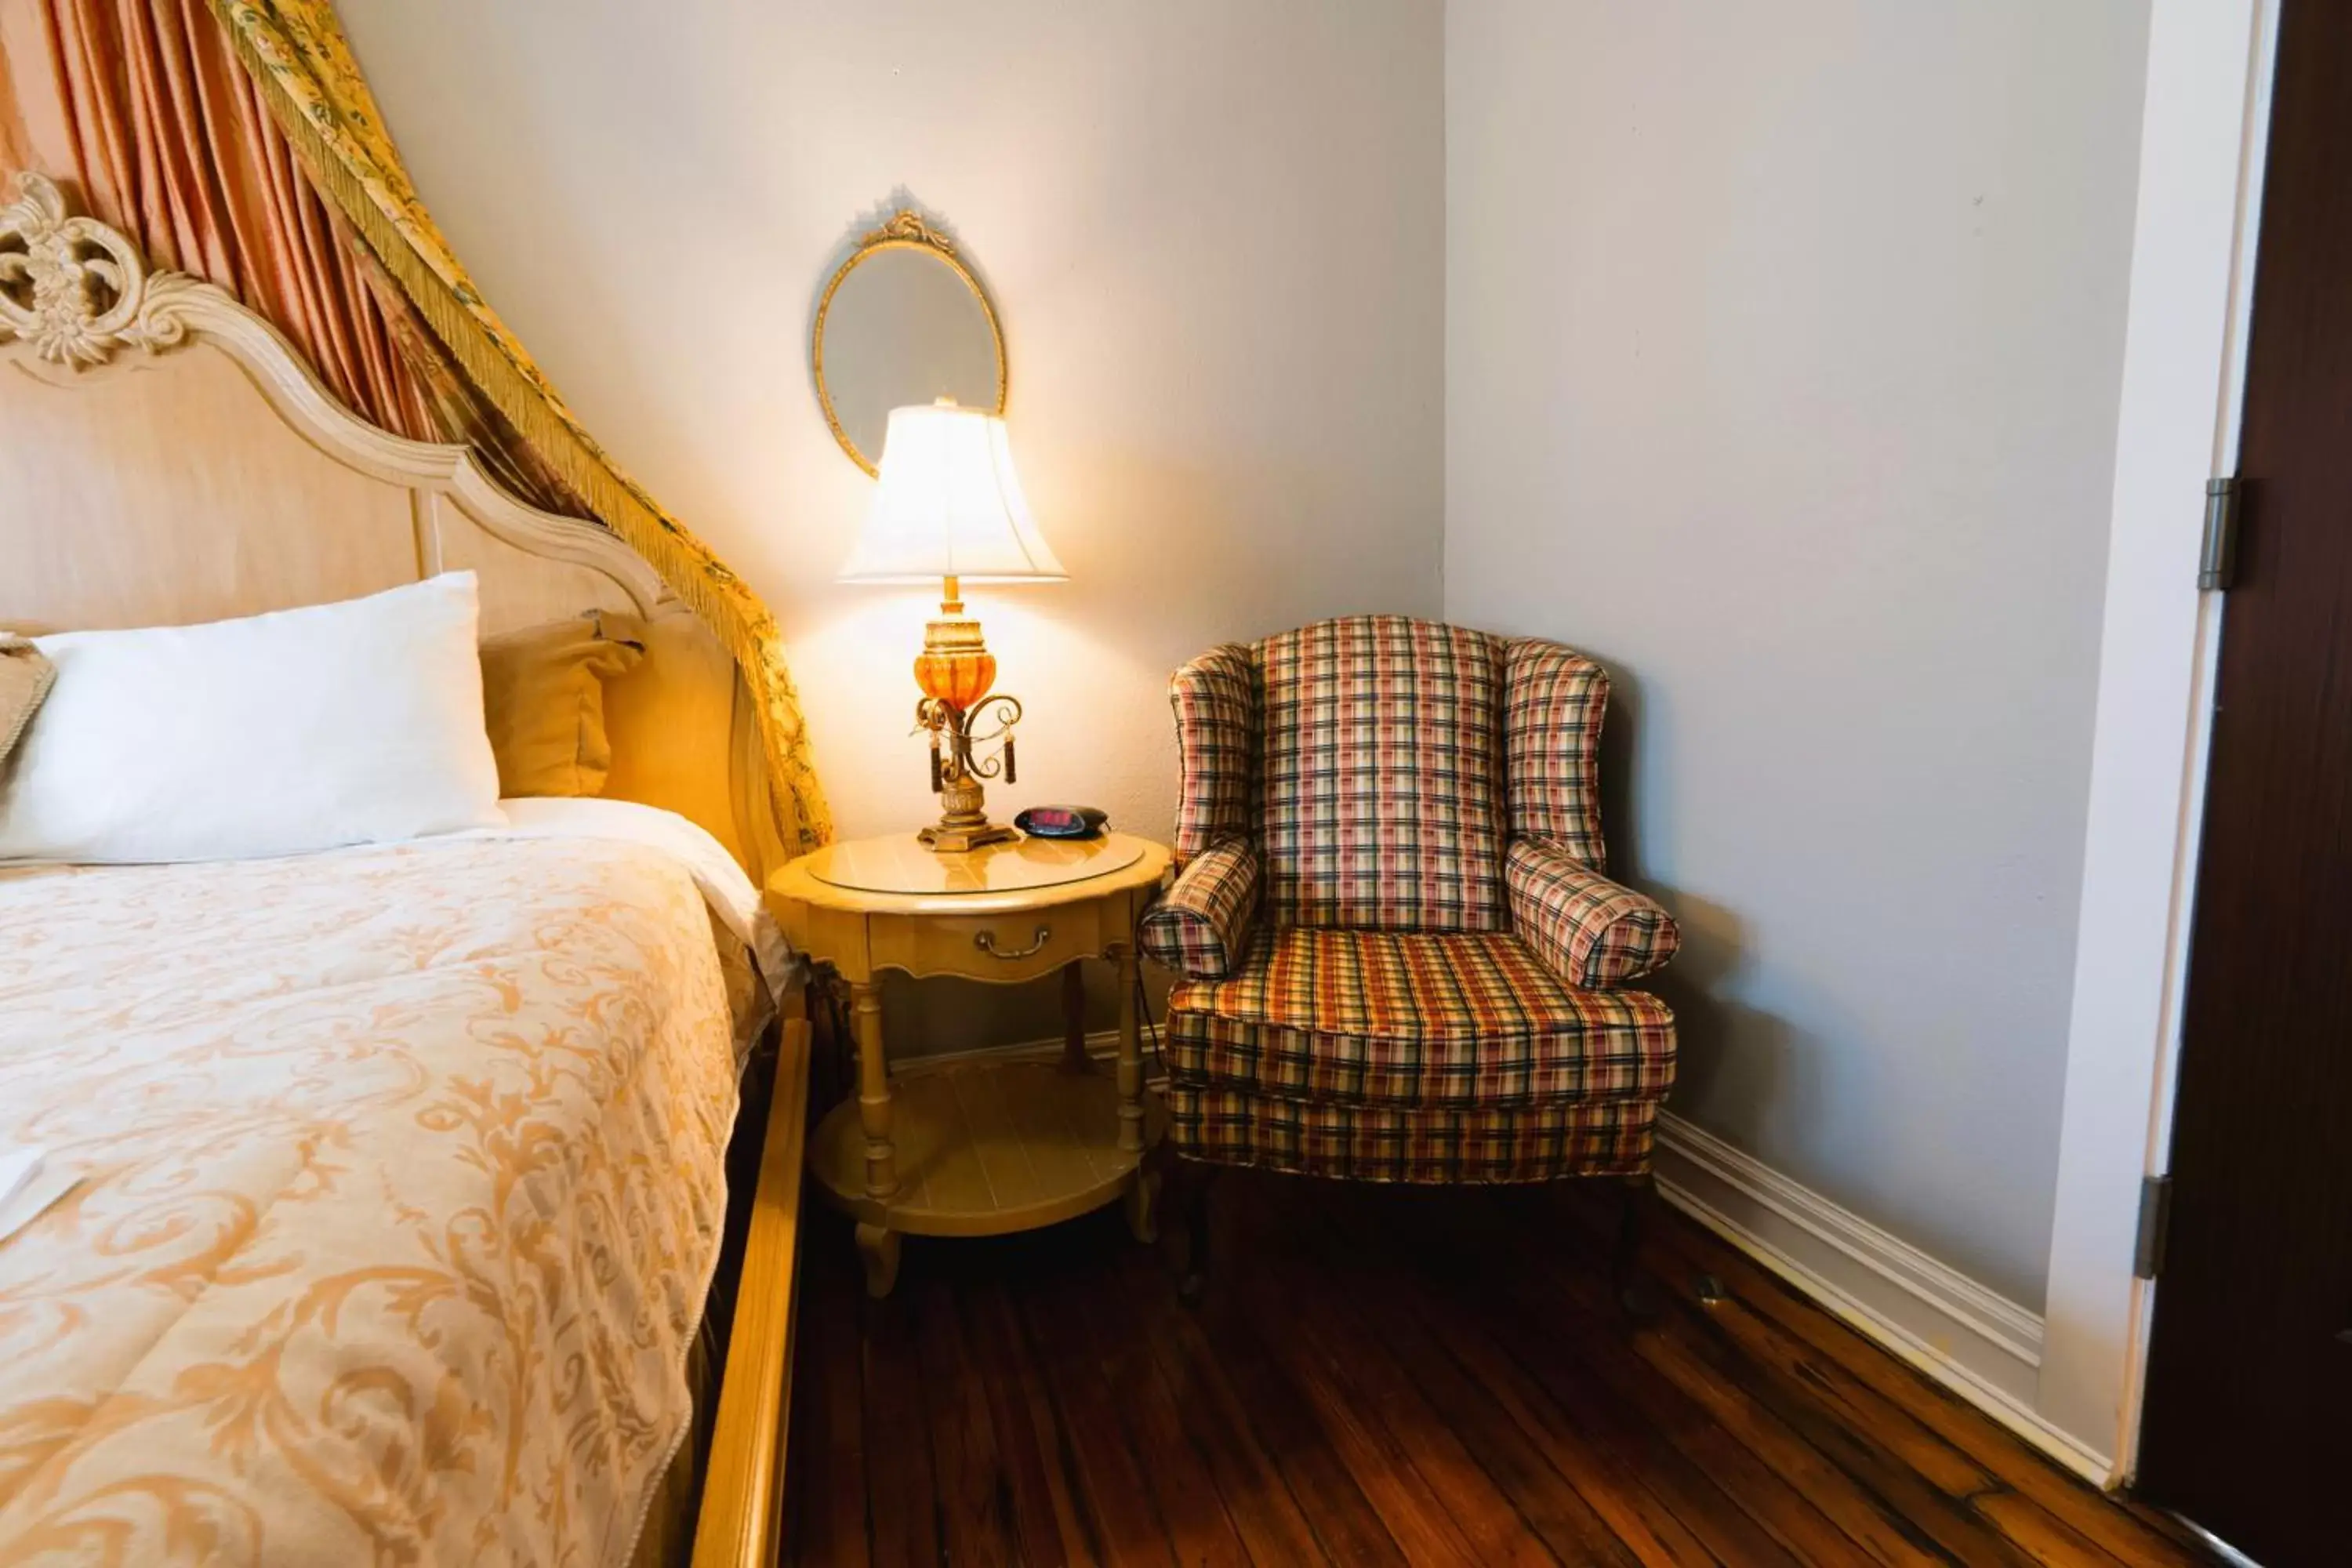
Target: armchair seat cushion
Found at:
1434, 1020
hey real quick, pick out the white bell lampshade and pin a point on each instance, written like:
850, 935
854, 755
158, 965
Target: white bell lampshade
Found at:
948, 505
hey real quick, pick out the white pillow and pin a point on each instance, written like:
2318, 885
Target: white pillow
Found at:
351, 723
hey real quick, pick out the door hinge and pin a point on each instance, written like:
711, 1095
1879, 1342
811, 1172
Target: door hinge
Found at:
2155, 1224
2217, 558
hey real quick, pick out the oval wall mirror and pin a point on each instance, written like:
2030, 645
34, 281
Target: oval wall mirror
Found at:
902, 320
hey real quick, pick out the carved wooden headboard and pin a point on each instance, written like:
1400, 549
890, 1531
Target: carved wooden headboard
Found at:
166, 457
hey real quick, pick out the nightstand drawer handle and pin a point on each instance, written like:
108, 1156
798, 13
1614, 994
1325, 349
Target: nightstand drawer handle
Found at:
986, 942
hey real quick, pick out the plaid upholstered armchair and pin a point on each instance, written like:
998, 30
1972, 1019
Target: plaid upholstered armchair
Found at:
1400, 958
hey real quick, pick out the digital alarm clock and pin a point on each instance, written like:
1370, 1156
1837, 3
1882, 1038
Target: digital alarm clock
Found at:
1062, 822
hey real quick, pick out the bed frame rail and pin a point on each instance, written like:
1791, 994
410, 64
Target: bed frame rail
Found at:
740, 1522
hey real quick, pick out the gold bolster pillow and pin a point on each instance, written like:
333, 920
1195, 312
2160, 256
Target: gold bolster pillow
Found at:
25, 675
544, 701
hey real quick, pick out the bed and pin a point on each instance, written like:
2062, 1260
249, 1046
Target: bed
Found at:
399, 1175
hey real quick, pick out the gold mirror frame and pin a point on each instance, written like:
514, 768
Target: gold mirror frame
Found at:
906, 230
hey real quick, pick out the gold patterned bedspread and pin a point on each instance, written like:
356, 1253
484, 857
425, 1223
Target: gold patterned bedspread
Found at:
403, 1186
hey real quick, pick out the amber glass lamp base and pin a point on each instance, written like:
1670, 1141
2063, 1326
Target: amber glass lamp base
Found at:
955, 670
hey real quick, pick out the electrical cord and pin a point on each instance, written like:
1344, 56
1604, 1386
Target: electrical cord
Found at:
1151, 1025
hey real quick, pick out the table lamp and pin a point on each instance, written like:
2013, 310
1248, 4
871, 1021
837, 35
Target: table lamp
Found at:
948, 506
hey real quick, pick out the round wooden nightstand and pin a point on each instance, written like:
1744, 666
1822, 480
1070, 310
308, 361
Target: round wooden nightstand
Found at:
976, 1146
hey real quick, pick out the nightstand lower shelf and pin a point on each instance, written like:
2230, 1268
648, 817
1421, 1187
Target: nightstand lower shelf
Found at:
979, 1145
984, 1147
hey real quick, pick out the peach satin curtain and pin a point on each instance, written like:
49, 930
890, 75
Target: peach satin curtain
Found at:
143, 107
141, 104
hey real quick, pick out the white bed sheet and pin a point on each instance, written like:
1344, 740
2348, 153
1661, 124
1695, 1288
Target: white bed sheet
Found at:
723, 883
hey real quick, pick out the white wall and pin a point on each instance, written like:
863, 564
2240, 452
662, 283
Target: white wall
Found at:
1214, 232
1783, 354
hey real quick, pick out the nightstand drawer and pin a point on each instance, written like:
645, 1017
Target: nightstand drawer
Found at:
1015, 946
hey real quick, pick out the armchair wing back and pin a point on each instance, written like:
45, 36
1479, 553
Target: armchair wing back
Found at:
1216, 703
1400, 945
1378, 765
1554, 701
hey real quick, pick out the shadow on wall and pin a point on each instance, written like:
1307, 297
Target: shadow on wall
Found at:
1708, 1027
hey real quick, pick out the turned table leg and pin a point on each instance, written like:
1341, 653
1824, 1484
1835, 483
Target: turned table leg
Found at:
1142, 1204
879, 1250
877, 1245
874, 1090
1074, 1017
1140, 1219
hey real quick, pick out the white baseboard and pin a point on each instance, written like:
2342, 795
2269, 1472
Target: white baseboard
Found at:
1975, 1342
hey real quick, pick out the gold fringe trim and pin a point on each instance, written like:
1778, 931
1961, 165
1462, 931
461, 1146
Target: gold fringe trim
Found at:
706, 584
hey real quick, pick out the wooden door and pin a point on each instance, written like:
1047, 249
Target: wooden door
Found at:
2249, 1415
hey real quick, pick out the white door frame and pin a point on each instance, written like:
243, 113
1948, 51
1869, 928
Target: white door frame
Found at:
2204, 129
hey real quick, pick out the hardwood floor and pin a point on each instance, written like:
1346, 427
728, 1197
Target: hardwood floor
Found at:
1385, 1376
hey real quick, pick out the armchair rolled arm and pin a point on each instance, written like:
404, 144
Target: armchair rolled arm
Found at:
1594, 934
1200, 926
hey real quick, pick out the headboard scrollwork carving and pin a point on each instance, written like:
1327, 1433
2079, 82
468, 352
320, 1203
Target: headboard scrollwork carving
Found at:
76, 292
